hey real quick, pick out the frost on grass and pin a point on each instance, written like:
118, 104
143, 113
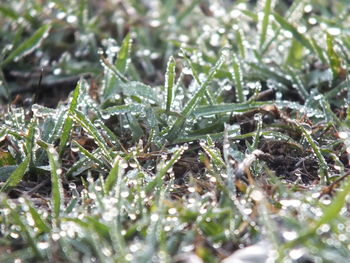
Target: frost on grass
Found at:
207, 131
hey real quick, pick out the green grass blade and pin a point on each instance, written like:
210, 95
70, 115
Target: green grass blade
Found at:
122, 109
298, 83
82, 14
266, 71
139, 89
295, 55
17, 175
334, 60
228, 107
214, 154
25, 230
169, 82
240, 43
109, 134
290, 13
259, 123
37, 218
265, 22
319, 51
243, 107
113, 70
122, 61
323, 167
57, 195
135, 127
113, 175
80, 118
332, 210
81, 163
161, 173
29, 139
28, 45
190, 106
196, 77
296, 35
238, 78
181, 16
330, 213
89, 156
8, 12
68, 124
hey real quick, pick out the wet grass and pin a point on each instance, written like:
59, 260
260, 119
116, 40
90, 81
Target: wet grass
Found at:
174, 131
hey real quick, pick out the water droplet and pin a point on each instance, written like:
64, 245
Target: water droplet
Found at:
290, 235
61, 15
186, 71
334, 31
124, 194
312, 21
71, 19
72, 186
343, 135
257, 117
172, 211
55, 236
14, 235
279, 95
202, 142
154, 217
297, 253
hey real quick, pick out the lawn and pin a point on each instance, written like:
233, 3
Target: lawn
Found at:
174, 131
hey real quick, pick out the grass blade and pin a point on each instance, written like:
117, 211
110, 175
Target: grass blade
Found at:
57, 194
28, 45
25, 230
319, 51
299, 85
87, 154
139, 89
330, 212
323, 170
265, 22
67, 126
190, 106
161, 173
228, 107
113, 175
6, 11
196, 77
80, 118
169, 82
122, 109
296, 35
334, 60
238, 78
295, 55
38, 220
240, 43
187, 11
122, 61
17, 175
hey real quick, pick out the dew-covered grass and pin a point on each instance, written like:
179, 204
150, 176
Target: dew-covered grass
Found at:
174, 131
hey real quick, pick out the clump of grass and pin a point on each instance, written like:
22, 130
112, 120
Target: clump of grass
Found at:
202, 128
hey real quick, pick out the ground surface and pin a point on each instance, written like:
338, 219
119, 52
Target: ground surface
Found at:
174, 131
